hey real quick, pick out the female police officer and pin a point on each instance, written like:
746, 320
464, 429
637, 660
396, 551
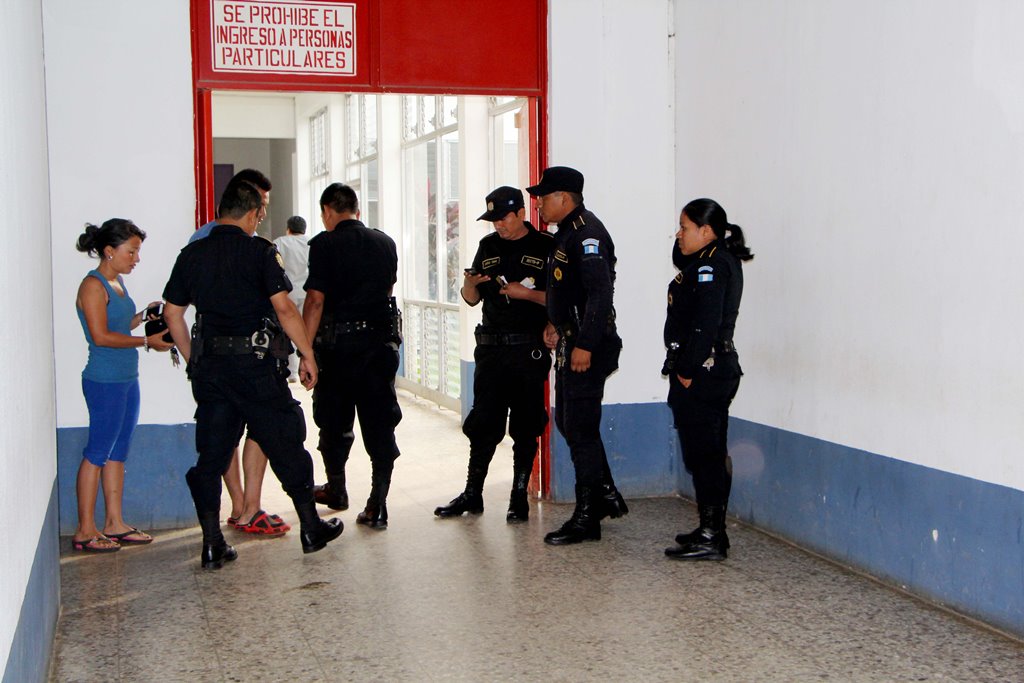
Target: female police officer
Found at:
703, 368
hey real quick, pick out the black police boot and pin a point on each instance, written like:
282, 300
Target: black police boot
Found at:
216, 550
584, 525
471, 500
375, 514
316, 533
711, 542
333, 494
613, 505
518, 502
695, 535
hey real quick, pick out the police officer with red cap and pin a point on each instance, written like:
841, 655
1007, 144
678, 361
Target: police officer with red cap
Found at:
509, 275
581, 279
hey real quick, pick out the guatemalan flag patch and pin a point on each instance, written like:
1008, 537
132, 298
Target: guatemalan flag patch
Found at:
590, 246
705, 274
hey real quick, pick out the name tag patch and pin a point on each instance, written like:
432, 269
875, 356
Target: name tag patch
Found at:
590, 246
533, 262
561, 256
491, 262
705, 274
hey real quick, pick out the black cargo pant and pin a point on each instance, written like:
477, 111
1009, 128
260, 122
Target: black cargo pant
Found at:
357, 376
232, 392
701, 414
508, 382
578, 408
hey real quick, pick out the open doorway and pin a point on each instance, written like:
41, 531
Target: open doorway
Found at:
421, 166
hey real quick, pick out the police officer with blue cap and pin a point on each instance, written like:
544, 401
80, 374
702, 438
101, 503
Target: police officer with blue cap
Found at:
581, 281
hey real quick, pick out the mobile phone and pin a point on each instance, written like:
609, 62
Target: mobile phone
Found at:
154, 311
471, 271
502, 280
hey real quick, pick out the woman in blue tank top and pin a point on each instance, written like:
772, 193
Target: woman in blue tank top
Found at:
110, 381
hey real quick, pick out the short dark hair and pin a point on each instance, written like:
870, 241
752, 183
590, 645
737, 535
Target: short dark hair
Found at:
255, 177
576, 197
297, 225
239, 198
113, 233
340, 198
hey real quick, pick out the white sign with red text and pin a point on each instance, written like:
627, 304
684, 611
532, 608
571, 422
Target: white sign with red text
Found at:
284, 37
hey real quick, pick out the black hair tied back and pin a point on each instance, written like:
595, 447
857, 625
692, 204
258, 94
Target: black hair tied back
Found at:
87, 240
736, 244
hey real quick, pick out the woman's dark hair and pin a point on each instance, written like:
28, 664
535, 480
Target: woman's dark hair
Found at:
709, 212
113, 233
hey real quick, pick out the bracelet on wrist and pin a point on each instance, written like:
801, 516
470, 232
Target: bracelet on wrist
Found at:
145, 343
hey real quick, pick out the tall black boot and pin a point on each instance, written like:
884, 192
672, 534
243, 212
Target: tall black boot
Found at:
315, 532
518, 501
375, 514
611, 504
471, 500
711, 541
333, 494
585, 523
216, 550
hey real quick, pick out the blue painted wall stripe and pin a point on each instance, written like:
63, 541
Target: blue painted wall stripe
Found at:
954, 540
32, 645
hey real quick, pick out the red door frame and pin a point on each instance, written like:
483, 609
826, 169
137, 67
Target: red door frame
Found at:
395, 56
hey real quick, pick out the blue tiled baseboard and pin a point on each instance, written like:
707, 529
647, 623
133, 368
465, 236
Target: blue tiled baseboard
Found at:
155, 494
954, 540
32, 645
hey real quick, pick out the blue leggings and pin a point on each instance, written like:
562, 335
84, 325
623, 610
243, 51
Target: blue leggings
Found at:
113, 414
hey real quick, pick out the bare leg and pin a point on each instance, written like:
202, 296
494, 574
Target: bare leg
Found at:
87, 488
254, 465
112, 477
233, 483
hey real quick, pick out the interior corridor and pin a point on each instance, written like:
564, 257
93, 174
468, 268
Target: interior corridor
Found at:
475, 599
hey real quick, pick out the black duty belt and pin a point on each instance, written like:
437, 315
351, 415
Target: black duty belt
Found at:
352, 326
510, 339
227, 346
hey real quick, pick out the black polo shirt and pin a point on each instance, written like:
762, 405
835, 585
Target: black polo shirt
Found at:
229, 277
523, 260
355, 268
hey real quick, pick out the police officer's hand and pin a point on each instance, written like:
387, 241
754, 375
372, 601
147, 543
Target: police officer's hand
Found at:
157, 343
580, 361
307, 372
550, 336
516, 290
685, 382
471, 280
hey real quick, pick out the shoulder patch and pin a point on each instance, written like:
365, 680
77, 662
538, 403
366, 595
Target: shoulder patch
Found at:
532, 262
561, 256
280, 261
590, 246
490, 262
705, 274
670, 299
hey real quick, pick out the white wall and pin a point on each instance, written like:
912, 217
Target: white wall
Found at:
875, 153
611, 117
119, 118
27, 446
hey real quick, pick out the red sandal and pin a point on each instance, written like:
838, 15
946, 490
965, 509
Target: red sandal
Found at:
263, 524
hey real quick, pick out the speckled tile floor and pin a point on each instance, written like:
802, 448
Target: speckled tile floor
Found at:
475, 599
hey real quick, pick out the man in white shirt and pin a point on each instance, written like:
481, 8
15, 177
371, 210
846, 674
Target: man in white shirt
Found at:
295, 252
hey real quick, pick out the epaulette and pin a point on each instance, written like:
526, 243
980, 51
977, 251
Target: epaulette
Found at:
266, 242
708, 253
578, 222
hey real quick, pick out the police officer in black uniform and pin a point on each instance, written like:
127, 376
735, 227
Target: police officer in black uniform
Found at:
350, 311
702, 364
509, 275
238, 363
581, 279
